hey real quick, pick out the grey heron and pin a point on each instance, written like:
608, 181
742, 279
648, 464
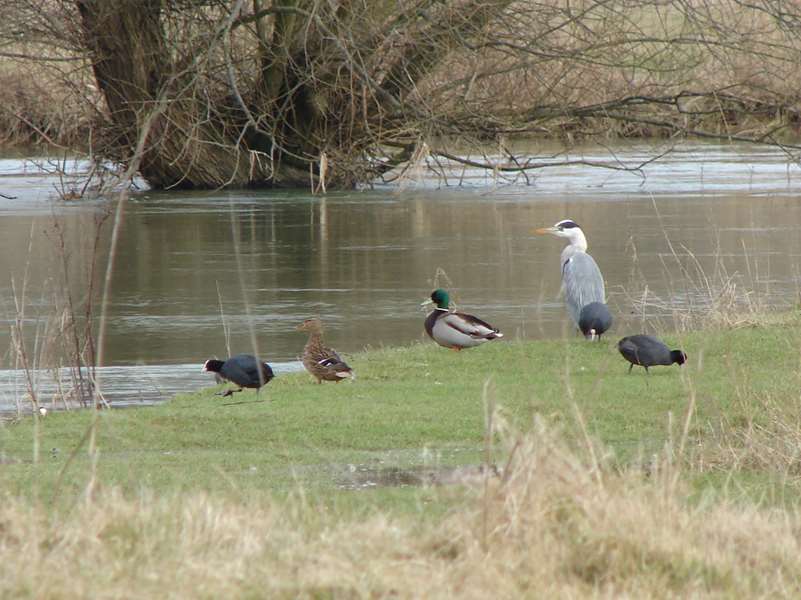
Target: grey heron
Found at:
648, 351
582, 282
456, 330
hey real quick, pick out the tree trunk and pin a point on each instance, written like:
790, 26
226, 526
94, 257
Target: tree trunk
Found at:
266, 97
130, 58
195, 142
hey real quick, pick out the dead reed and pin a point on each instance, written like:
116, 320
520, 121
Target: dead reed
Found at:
698, 293
555, 520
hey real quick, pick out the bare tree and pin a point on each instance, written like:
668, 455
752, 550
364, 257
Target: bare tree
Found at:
273, 92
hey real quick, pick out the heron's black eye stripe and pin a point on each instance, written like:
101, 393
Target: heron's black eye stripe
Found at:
568, 225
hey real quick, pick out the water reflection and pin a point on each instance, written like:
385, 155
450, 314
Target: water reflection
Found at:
198, 272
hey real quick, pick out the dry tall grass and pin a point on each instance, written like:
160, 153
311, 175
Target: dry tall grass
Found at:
769, 439
45, 104
700, 292
556, 522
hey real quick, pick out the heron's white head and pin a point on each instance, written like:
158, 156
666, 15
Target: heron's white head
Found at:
566, 229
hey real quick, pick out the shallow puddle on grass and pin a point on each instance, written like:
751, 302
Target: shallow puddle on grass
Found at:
122, 386
360, 477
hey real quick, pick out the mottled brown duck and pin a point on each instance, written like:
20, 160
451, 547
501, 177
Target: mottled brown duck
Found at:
323, 363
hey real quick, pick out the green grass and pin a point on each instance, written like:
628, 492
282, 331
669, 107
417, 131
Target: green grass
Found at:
216, 498
411, 407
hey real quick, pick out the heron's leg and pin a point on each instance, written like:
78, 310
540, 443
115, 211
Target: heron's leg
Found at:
647, 372
631, 366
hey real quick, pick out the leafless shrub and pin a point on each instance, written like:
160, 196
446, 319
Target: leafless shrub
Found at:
260, 93
77, 335
58, 344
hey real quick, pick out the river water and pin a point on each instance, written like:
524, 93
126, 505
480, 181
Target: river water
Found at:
197, 273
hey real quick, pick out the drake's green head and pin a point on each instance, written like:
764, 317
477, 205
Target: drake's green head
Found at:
440, 298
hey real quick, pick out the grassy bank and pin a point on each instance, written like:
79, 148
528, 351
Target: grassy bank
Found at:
600, 483
418, 407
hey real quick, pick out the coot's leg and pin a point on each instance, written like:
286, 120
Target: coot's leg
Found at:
228, 392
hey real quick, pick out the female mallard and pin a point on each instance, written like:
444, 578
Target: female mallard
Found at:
323, 363
456, 330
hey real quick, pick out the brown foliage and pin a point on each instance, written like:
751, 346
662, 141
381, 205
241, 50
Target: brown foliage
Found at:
555, 522
263, 92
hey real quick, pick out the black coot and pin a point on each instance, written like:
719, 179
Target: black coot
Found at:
594, 320
648, 351
243, 370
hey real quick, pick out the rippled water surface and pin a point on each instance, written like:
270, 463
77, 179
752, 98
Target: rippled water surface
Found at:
193, 266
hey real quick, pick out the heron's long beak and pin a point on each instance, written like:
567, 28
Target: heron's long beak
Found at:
544, 230
427, 302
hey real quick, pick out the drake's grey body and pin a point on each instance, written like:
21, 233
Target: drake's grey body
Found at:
648, 351
458, 330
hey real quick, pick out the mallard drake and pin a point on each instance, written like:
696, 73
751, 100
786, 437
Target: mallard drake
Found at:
323, 363
243, 370
456, 330
648, 351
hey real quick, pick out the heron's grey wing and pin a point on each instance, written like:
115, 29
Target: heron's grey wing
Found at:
582, 283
